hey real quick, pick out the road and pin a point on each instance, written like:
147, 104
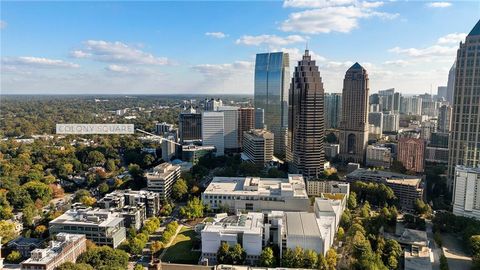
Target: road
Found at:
457, 258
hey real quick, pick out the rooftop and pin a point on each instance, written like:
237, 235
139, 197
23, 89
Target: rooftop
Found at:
246, 223
476, 30
89, 216
163, 170
45, 255
381, 174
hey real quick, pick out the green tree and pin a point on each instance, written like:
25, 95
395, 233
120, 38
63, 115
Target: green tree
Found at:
340, 234
138, 267
267, 259
223, 254
443, 263
193, 209
310, 259
238, 254
352, 200
288, 258
179, 189
331, 258
322, 263
7, 231
104, 257
136, 246
38, 190
103, 188
28, 214
110, 165
365, 211
74, 266
96, 158
14, 257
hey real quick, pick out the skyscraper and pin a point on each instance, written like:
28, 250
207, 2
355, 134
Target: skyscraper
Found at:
190, 125
213, 131
246, 119
441, 92
230, 127
333, 109
444, 118
212, 104
259, 118
271, 94
465, 136
451, 84
306, 131
354, 123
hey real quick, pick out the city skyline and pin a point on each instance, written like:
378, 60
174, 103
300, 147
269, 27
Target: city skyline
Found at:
120, 48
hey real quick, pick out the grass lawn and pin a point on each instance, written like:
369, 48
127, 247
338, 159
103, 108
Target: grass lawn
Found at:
181, 249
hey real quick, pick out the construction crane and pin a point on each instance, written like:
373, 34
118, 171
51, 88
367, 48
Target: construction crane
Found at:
155, 135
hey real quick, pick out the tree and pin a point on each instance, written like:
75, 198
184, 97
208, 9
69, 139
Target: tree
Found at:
74, 266
331, 258
103, 188
322, 263
40, 230
28, 214
352, 200
88, 200
310, 259
238, 254
14, 257
136, 245
38, 190
96, 158
267, 258
179, 189
288, 258
193, 209
155, 247
443, 263
223, 255
340, 234
110, 165
138, 267
104, 257
365, 211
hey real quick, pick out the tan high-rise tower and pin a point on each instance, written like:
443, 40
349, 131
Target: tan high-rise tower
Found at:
354, 120
306, 131
464, 143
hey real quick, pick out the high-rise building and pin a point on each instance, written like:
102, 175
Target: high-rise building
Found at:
389, 100
272, 74
354, 123
375, 119
441, 92
259, 118
411, 105
306, 130
411, 152
190, 125
213, 131
427, 128
162, 178
162, 128
466, 198
444, 118
391, 122
258, 146
246, 122
212, 104
333, 109
451, 84
230, 127
465, 135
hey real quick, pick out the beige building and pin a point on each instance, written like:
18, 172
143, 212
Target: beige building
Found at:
318, 187
162, 178
354, 123
465, 136
258, 146
306, 130
246, 121
66, 248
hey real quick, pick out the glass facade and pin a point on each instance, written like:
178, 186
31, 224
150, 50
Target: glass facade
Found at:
272, 74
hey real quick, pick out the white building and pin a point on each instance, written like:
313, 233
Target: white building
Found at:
257, 194
258, 146
230, 126
66, 248
162, 178
212, 104
378, 156
391, 122
213, 131
411, 105
466, 194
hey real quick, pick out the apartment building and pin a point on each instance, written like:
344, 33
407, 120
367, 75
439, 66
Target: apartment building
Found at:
162, 178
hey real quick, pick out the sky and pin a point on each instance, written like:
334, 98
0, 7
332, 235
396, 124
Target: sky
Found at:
209, 47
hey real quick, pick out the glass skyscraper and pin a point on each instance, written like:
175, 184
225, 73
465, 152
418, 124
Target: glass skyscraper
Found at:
272, 75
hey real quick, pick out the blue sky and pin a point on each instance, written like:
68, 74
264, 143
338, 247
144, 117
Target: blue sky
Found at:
209, 47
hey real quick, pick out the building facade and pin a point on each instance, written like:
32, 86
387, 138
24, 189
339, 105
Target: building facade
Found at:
451, 84
333, 110
212, 104
466, 198
162, 178
190, 126
246, 121
411, 152
444, 118
213, 131
258, 146
230, 127
354, 124
391, 122
378, 156
306, 130
272, 73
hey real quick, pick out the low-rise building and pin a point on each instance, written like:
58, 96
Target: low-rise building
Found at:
317, 187
257, 194
406, 187
258, 146
192, 153
162, 178
378, 156
66, 248
25, 245
99, 225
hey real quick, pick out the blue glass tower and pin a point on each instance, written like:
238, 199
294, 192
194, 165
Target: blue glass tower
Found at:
272, 75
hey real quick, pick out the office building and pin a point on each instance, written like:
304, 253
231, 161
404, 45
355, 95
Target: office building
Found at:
354, 124
411, 152
406, 187
162, 178
65, 248
375, 121
192, 153
163, 128
212, 104
213, 131
427, 128
391, 122
230, 127
99, 225
246, 122
466, 195
429, 106
441, 93
257, 194
272, 73
451, 84
465, 135
169, 149
259, 118
318, 187
258, 146
389, 100
127, 197
411, 105
439, 139
306, 130
444, 118
378, 156
332, 150
190, 125
333, 109
436, 154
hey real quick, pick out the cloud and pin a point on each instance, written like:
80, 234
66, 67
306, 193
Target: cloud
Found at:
271, 40
117, 68
453, 38
439, 4
218, 35
117, 52
236, 77
331, 16
39, 62
399, 62
3, 24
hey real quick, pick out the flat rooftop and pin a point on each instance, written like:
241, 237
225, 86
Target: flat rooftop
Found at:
89, 216
45, 255
362, 172
246, 223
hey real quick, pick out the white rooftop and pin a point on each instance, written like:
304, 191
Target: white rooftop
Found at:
89, 216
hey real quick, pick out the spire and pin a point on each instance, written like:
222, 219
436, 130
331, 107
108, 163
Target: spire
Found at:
476, 30
356, 66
